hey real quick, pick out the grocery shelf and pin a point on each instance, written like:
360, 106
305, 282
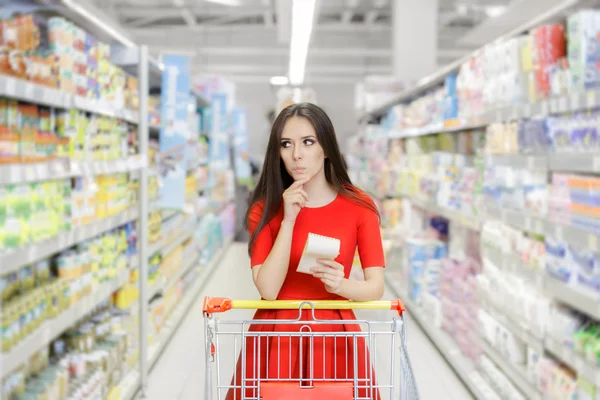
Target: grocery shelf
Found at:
166, 246
517, 329
38, 94
163, 285
179, 313
521, 161
463, 367
512, 264
576, 162
53, 328
15, 259
571, 234
470, 222
64, 168
564, 353
585, 303
516, 373
129, 386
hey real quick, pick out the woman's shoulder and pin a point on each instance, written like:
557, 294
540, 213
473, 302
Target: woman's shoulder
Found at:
257, 209
358, 198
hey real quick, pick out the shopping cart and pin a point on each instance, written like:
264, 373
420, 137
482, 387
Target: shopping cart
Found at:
306, 357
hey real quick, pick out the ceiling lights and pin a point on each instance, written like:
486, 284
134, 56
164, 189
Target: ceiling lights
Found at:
494, 11
279, 80
303, 12
231, 3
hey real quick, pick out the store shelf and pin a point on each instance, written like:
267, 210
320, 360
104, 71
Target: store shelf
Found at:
516, 373
520, 161
469, 222
576, 162
585, 303
53, 328
38, 94
177, 316
565, 354
129, 386
512, 264
14, 260
571, 234
65, 168
517, 329
165, 247
463, 367
162, 285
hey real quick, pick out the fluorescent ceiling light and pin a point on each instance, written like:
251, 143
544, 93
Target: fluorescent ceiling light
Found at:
98, 22
279, 80
303, 12
495, 11
231, 3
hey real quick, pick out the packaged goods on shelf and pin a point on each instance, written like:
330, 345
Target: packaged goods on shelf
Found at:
375, 90
30, 213
500, 383
87, 359
56, 53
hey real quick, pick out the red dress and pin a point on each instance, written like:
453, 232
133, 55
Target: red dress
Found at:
284, 358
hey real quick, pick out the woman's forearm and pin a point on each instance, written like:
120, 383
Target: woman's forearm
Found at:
272, 272
368, 290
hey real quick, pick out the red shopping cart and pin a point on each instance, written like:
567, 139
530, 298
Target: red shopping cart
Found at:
304, 357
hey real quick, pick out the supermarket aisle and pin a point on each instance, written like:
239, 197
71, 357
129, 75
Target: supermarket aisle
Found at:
180, 372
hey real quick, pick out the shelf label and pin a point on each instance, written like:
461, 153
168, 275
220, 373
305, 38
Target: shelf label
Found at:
575, 102
48, 96
11, 86
558, 231
593, 242
528, 224
591, 99
29, 173
29, 90
596, 165
562, 104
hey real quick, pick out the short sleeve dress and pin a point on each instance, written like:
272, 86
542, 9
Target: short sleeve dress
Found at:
284, 357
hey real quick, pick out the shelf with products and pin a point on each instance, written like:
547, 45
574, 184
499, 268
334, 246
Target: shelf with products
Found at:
52, 54
539, 67
64, 168
464, 367
517, 373
49, 330
173, 321
15, 259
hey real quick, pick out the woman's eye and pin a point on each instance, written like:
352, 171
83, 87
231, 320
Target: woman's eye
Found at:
285, 145
309, 142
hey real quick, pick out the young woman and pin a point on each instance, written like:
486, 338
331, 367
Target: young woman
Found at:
304, 188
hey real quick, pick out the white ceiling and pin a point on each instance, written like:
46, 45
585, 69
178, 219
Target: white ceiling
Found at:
249, 42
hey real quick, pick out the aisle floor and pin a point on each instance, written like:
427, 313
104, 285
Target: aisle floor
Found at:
180, 372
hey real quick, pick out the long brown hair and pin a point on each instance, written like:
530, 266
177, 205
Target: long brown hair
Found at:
274, 178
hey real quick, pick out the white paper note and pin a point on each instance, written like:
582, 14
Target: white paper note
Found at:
317, 246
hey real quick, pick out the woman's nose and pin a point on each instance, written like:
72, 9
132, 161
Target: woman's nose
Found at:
297, 154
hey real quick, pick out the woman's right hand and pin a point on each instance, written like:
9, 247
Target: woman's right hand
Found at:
294, 198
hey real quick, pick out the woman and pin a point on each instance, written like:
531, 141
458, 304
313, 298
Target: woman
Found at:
304, 188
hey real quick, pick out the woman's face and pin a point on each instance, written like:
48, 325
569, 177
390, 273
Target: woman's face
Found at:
302, 155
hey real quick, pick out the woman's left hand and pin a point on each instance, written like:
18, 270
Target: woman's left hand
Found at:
331, 273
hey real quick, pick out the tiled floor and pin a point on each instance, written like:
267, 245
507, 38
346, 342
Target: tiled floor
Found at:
180, 373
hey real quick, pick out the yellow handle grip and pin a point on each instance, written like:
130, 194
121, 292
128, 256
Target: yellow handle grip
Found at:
218, 304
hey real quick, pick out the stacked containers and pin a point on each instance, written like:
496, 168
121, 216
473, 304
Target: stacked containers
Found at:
548, 49
584, 49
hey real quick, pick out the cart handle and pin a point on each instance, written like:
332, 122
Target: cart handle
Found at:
220, 304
